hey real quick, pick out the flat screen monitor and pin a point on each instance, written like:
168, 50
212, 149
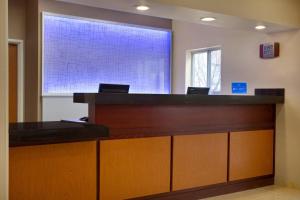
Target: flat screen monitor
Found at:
198, 90
113, 88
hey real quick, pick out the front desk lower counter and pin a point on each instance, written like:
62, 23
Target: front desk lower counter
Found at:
54, 160
164, 151
190, 166
183, 146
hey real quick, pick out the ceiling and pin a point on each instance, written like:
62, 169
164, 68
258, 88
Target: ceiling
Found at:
183, 14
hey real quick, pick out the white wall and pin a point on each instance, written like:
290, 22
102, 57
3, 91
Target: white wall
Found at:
284, 12
57, 108
3, 100
241, 62
240, 54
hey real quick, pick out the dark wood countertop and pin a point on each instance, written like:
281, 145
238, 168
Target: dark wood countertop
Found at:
174, 99
38, 133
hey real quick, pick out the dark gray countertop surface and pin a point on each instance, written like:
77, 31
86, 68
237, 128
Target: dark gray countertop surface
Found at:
161, 99
38, 133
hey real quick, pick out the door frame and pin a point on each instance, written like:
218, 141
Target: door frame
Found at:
20, 46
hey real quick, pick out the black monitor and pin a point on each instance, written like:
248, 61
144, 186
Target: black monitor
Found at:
270, 91
113, 88
198, 90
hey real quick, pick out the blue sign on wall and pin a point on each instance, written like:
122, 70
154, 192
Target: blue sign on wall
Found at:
239, 88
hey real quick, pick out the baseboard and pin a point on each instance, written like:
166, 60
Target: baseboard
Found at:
214, 190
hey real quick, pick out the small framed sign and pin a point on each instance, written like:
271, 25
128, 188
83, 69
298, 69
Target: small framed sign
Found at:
269, 50
239, 88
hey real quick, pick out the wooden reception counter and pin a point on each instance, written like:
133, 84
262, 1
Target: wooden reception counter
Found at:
158, 147
53, 160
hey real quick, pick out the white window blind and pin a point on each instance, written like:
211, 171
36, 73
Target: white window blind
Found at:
206, 69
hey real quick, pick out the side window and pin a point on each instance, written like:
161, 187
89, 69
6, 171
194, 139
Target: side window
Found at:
206, 69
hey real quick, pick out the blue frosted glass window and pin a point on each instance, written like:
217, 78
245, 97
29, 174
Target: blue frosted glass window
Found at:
78, 54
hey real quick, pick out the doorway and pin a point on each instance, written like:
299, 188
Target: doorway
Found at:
16, 86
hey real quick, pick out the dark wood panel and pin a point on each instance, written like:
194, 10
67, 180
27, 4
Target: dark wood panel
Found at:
213, 190
13, 83
149, 120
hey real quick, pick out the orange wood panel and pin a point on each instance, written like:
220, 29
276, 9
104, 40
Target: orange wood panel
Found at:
58, 171
13, 83
199, 160
134, 167
251, 154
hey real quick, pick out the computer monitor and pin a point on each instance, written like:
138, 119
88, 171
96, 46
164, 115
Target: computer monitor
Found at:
113, 88
269, 91
198, 90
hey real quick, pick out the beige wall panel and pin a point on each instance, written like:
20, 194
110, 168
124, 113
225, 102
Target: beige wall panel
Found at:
134, 167
58, 171
32, 70
17, 19
103, 14
199, 160
251, 154
3, 100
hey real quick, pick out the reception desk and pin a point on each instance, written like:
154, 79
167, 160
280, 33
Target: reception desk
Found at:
162, 147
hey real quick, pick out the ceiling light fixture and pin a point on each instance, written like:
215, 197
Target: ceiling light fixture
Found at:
260, 27
142, 7
208, 19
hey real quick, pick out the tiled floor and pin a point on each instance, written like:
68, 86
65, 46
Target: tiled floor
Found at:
267, 193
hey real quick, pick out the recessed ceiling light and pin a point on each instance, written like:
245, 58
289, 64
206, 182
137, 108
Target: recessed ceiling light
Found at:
208, 19
260, 27
142, 7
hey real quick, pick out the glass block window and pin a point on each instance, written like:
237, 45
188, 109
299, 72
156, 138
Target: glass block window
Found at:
206, 69
78, 54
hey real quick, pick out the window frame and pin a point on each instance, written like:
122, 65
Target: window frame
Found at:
208, 51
